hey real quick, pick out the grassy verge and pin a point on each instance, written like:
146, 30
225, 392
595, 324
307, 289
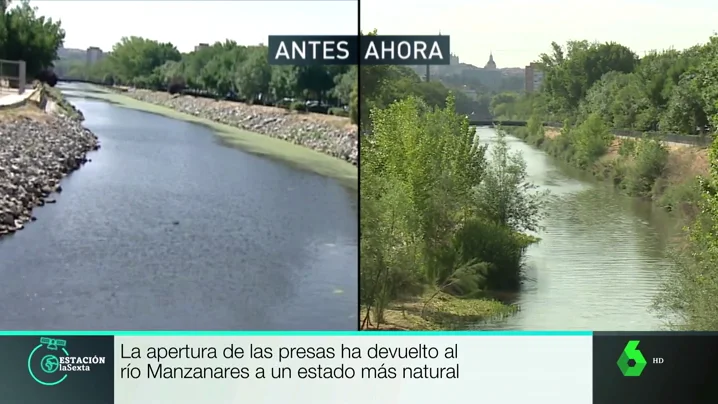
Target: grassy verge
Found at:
442, 312
66, 108
27, 111
266, 146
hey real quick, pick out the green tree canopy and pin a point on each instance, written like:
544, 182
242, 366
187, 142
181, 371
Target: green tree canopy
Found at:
26, 36
221, 69
135, 57
570, 73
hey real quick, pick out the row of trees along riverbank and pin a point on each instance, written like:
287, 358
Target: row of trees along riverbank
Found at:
596, 89
442, 221
224, 69
221, 70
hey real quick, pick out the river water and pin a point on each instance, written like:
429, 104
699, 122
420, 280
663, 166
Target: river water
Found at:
601, 258
168, 229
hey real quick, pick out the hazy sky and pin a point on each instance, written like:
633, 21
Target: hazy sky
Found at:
187, 23
517, 31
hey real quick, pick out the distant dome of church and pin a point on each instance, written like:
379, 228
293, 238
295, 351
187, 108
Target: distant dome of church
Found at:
490, 64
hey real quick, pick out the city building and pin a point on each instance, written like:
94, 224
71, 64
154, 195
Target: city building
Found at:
490, 64
489, 76
454, 60
94, 55
201, 46
534, 77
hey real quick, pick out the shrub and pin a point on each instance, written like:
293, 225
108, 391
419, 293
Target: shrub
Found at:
495, 245
683, 197
317, 108
108, 80
176, 85
648, 165
298, 106
48, 76
591, 140
627, 148
338, 112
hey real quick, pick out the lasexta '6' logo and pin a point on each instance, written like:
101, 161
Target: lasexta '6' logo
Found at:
631, 354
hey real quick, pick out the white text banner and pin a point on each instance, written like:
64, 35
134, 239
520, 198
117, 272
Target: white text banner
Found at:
376, 368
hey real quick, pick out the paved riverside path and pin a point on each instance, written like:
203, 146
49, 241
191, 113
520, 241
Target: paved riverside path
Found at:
10, 99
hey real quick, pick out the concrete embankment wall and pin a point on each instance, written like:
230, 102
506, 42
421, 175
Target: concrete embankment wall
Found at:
37, 149
331, 135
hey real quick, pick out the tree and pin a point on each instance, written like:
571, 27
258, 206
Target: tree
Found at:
631, 109
136, 57
253, 77
218, 75
668, 90
170, 74
380, 86
423, 222
194, 62
222, 70
570, 74
315, 81
505, 195
707, 78
283, 82
419, 167
661, 71
684, 110
344, 84
26, 36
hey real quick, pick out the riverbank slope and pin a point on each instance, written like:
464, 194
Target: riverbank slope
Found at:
230, 123
37, 149
436, 311
665, 172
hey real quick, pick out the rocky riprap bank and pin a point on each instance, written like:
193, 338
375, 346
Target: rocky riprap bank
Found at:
327, 134
36, 151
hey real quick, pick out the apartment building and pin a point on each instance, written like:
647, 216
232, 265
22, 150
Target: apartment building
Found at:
94, 54
534, 77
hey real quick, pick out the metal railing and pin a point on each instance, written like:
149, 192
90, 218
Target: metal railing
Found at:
13, 78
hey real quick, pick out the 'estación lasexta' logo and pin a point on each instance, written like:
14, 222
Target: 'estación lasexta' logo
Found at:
50, 363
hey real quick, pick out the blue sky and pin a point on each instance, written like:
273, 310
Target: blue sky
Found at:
517, 31
187, 23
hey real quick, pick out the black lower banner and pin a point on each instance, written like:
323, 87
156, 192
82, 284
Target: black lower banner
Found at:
656, 368
57, 369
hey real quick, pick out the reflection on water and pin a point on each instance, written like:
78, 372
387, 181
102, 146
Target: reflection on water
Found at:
601, 258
